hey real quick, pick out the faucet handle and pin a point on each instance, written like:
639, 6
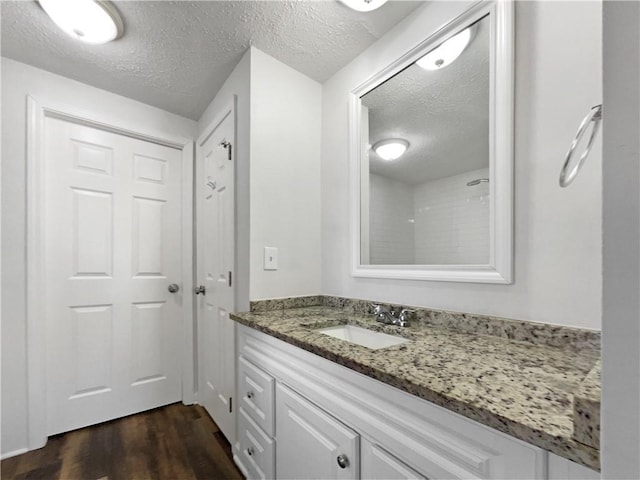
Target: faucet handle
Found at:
404, 314
377, 309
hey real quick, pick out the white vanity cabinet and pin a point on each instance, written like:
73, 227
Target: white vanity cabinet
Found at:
302, 416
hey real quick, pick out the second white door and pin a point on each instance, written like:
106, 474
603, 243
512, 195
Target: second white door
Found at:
215, 266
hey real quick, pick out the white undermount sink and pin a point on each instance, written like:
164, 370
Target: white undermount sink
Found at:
362, 336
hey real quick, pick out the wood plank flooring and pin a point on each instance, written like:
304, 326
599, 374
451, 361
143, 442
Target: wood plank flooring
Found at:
173, 442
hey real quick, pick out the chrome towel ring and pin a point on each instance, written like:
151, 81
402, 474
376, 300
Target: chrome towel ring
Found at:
568, 174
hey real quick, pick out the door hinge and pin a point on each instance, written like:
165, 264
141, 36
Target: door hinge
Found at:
226, 144
230, 404
230, 278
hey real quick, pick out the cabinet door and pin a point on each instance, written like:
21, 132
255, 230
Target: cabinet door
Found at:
378, 464
310, 443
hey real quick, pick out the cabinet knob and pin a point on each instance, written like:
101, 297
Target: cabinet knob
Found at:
249, 395
343, 461
250, 451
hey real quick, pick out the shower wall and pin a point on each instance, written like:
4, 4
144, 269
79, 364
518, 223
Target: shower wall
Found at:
452, 220
391, 222
442, 221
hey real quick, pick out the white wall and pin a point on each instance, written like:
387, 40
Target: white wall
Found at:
391, 221
621, 230
19, 80
238, 84
277, 176
452, 220
285, 178
557, 231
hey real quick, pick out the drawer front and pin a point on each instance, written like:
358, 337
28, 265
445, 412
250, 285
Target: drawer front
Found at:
256, 393
256, 449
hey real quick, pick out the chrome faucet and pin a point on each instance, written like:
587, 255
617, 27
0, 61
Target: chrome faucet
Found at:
388, 317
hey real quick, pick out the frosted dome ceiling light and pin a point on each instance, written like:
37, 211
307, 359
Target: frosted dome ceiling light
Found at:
89, 21
446, 53
363, 5
391, 148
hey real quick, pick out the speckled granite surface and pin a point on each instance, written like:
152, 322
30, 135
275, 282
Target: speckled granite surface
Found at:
523, 389
580, 340
586, 409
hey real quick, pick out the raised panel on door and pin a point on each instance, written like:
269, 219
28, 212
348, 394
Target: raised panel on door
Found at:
113, 243
148, 221
378, 464
309, 441
147, 364
92, 158
92, 347
92, 227
149, 169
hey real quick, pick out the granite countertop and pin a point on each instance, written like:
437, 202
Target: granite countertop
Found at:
523, 389
586, 408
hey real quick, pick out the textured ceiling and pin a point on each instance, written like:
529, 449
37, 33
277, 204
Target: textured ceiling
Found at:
444, 114
176, 55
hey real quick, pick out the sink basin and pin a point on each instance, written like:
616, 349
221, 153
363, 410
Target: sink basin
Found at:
362, 336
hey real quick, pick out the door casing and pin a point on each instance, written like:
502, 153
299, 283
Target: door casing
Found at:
36, 336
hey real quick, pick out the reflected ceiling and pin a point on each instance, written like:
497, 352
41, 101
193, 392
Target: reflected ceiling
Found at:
444, 114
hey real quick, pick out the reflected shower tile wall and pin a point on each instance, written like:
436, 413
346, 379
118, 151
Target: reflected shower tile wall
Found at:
391, 222
452, 220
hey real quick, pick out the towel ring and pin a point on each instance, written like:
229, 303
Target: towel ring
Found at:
566, 175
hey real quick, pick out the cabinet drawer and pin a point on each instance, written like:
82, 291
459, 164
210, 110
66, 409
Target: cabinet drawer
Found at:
256, 448
255, 390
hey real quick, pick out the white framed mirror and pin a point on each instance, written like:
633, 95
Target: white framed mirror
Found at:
432, 156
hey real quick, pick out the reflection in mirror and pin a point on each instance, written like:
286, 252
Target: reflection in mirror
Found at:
425, 158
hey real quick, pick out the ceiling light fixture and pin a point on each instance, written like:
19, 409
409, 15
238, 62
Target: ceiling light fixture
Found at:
391, 148
89, 21
446, 53
363, 5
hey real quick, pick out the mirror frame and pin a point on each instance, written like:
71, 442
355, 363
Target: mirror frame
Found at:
501, 153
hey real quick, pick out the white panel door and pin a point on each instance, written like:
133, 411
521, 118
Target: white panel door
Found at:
215, 265
112, 249
310, 443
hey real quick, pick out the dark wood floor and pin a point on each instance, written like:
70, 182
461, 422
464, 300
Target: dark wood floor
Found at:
173, 442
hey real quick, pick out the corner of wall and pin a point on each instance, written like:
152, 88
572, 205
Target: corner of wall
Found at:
285, 178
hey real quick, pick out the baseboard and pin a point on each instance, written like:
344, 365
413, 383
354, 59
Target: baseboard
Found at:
20, 451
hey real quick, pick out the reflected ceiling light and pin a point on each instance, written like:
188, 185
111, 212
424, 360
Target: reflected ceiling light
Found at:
446, 53
89, 21
363, 5
391, 148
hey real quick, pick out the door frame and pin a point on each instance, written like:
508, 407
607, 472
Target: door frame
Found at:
226, 109
37, 112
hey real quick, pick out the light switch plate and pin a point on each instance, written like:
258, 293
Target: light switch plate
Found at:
270, 258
